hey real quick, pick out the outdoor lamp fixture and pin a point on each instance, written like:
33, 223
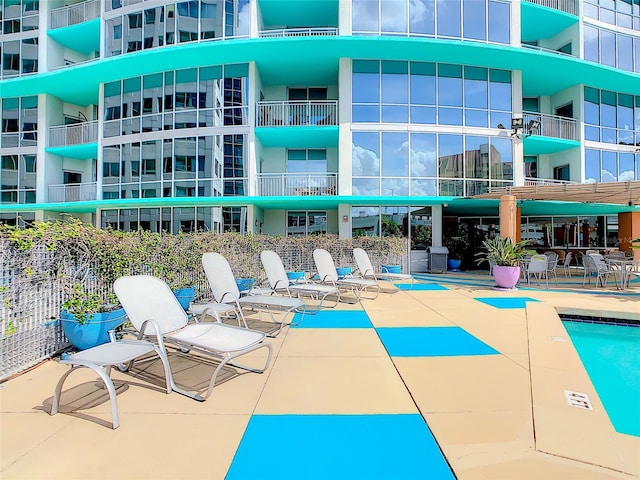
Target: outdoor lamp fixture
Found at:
517, 126
534, 127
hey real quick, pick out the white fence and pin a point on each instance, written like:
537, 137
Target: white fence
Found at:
75, 192
295, 113
568, 6
298, 32
74, 14
550, 126
288, 184
76, 134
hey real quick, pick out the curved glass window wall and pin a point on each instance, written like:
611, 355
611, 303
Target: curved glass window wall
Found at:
612, 48
429, 164
428, 93
196, 97
623, 13
611, 166
478, 20
175, 167
611, 117
175, 23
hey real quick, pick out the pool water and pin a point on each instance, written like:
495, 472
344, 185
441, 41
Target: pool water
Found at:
611, 355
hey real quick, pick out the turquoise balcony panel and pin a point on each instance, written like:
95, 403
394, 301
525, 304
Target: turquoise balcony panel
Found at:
539, 21
298, 136
538, 145
310, 13
79, 152
82, 37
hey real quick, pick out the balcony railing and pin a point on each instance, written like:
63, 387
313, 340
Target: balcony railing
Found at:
298, 32
290, 184
567, 6
70, 63
531, 181
550, 126
544, 49
73, 192
293, 113
75, 134
74, 14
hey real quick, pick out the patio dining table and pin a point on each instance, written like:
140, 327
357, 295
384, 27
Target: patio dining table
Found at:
625, 268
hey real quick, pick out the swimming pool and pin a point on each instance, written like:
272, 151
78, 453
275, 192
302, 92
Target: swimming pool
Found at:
611, 355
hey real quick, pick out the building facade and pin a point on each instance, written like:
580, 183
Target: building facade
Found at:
355, 117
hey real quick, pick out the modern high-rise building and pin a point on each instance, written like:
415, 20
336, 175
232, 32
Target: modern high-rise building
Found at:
296, 117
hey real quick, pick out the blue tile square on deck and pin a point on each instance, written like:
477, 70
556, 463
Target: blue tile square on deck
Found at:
336, 447
431, 342
506, 302
333, 319
419, 286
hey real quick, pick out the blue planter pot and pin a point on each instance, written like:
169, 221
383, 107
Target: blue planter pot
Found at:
454, 264
95, 331
185, 296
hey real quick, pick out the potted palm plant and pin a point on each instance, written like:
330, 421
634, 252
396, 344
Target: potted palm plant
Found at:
505, 255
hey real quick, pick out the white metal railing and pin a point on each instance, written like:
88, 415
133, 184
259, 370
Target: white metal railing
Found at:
568, 6
73, 192
74, 14
71, 63
544, 49
530, 181
550, 126
76, 134
298, 32
292, 184
288, 113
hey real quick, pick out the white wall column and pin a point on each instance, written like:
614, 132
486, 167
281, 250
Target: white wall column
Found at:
436, 225
344, 221
344, 134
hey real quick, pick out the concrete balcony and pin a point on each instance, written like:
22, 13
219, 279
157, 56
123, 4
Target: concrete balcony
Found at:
74, 14
550, 126
74, 192
297, 113
291, 184
298, 32
76, 134
567, 6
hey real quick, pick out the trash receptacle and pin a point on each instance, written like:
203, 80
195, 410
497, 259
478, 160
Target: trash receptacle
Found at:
437, 259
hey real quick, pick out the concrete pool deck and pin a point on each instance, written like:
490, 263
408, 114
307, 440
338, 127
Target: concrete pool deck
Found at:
485, 369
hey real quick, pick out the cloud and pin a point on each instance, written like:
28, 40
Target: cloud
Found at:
364, 162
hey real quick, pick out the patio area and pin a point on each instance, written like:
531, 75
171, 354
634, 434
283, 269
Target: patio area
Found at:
447, 378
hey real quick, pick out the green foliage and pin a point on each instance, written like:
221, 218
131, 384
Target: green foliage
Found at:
82, 304
456, 239
503, 251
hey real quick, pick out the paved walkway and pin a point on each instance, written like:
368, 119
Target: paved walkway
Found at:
449, 379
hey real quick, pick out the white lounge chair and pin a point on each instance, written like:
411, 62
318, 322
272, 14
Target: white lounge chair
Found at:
280, 283
100, 359
155, 312
537, 268
225, 290
328, 274
365, 268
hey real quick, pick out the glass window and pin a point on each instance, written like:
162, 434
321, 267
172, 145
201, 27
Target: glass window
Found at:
395, 159
591, 43
475, 19
449, 21
626, 167
625, 52
476, 155
607, 48
393, 15
365, 221
450, 156
499, 22
365, 154
422, 155
365, 15
592, 165
501, 159
609, 167
422, 17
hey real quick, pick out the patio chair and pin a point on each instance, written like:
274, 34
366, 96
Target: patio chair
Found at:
593, 265
552, 264
225, 290
279, 282
328, 274
101, 358
566, 264
537, 268
365, 268
155, 312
